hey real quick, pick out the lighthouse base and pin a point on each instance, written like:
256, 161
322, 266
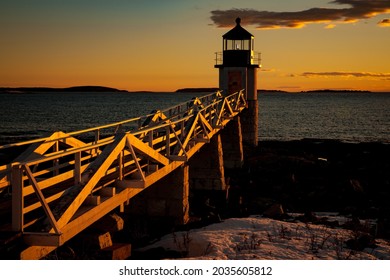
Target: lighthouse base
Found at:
250, 124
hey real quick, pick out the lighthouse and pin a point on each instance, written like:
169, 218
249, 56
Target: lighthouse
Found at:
238, 64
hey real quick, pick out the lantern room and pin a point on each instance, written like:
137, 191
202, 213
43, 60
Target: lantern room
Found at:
238, 45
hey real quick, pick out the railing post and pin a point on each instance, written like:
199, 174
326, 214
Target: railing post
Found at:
168, 141
120, 164
97, 135
150, 138
17, 198
77, 168
97, 138
56, 161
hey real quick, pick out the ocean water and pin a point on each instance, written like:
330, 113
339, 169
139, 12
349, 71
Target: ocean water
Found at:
356, 117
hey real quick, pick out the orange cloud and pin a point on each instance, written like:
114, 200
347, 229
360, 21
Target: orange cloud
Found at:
359, 9
381, 76
330, 26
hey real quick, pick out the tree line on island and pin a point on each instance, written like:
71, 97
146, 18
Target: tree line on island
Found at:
67, 89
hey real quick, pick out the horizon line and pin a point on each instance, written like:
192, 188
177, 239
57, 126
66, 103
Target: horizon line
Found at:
187, 89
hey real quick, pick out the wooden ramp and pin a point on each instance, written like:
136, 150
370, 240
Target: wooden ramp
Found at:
62, 184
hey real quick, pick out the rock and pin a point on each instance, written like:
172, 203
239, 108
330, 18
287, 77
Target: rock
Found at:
275, 211
117, 251
110, 223
308, 217
362, 241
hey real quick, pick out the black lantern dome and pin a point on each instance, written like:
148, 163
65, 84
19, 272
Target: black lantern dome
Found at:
238, 45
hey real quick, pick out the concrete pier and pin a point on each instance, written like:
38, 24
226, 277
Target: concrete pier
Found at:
233, 154
250, 116
206, 167
166, 199
249, 120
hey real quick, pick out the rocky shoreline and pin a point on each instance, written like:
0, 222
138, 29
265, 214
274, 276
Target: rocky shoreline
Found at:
303, 176
315, 176
309, 176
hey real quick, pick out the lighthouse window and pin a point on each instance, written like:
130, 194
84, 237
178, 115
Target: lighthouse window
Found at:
237, 44
245, 44
231, 45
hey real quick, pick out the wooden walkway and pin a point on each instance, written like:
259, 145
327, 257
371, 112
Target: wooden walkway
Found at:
62, 184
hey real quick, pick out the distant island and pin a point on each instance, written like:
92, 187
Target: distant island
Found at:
336, 91
68, 89
181, 90
271, 91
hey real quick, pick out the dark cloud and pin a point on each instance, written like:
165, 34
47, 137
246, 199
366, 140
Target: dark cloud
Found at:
385, 76
384, 22
359, 9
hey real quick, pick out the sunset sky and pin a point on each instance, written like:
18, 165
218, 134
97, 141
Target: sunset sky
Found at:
165, 45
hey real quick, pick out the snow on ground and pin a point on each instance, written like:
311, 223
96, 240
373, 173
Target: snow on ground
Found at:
257, 237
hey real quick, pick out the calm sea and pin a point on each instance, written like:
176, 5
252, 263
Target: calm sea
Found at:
356, 117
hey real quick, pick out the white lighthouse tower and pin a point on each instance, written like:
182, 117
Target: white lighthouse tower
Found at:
238, 64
